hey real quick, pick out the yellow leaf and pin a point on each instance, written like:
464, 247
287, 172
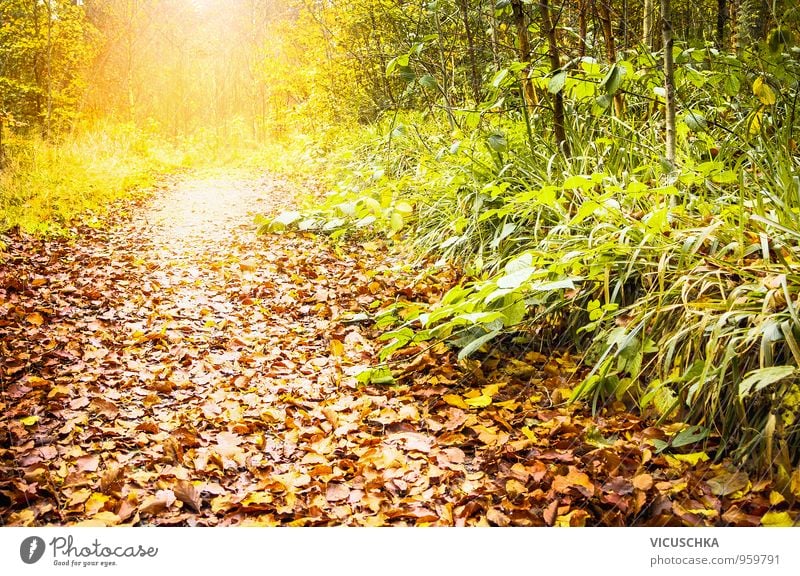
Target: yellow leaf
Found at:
479, 401
776, 498
337, 348
30, 420
58, 392
35, 318
455, 400
515, 487
491, 390
528, 433
777, 519
404, 208
107, 518
755, 123
95, 503
693, 459
794, 483
509, 404
763, 91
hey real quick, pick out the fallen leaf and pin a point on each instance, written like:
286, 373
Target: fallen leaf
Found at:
728, 483
574, 479
643, 482
337, 492
479, 401
455, 400
34, 318
95, 503
777, 519
186, 492
88, 463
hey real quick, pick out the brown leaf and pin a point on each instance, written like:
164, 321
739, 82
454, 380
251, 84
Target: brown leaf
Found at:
88, 463
110, 479
337, 492
105, 408
574, 479
550, 513
643, 482
186, 492
162, 500
728, 483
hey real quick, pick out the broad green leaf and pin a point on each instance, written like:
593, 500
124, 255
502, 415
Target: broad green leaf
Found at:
428, 81
372, 205
286, 218
690, 435
476, 344
761, 378
515, 279
578, 182
612, 80
498, 142
499, 77
557, 82
519, 263
404, 208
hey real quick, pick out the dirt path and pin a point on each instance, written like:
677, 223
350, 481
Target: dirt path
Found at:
174, 368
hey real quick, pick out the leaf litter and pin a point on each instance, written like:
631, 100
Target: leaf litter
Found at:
171, 368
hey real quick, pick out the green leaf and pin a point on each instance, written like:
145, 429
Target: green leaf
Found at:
404, 208
690, 435
428, 81
498, 142
475, 345
516, 278
578, 182
557, 82
372, 205
612, 80
761, 378
377, 375
286, 218
499, 77
695, 121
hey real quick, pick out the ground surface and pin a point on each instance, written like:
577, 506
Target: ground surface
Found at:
172, 367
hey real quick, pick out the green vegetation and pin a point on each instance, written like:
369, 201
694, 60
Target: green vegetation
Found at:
545, 178
45, 187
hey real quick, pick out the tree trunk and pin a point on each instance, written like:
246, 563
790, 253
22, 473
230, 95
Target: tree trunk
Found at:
524, 47
669, 80
475, 80
583, 27
549, 28
647, 24
722, 19
611, 49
